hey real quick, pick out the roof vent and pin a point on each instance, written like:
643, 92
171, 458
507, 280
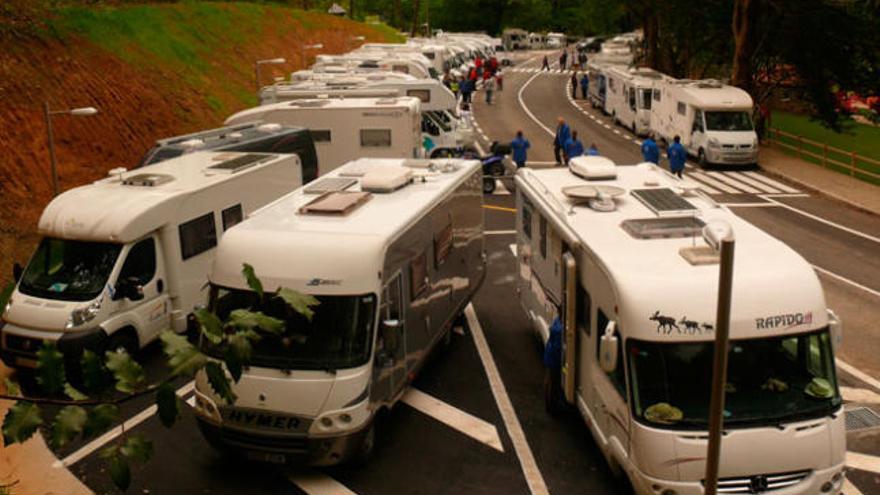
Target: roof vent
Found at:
330, 184
593, 167
663, 228
269, 127
335, 203
309, 103
192, 144
147, 180
240, 163
386, 179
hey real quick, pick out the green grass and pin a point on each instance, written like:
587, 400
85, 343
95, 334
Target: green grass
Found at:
862, 139
391, 34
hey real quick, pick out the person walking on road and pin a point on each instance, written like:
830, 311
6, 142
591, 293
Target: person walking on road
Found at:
520, 147
574, 147
574, 85
562, 59
677, 157
650, 151
489, 86
585, 85
553, 368
563, 134
593, 150
546, 65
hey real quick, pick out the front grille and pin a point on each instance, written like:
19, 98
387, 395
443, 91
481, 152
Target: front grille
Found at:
745, 146
279, 444
23, 345
761, 483
728, 146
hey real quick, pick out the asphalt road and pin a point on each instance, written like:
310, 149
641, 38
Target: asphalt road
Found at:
420, 453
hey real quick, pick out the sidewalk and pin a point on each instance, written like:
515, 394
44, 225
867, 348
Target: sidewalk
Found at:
854, 192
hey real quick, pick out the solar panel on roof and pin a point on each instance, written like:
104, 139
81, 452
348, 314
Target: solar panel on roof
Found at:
330, 184
239, 163
663, 201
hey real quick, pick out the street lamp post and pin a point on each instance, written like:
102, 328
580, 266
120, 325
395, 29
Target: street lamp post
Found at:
268, 61
720, 236
50, 135
316, 46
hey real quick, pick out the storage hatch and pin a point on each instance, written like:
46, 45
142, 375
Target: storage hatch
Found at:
147, 180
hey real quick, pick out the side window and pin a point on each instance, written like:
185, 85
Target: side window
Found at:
682, 108
376, 138
140, 263
527, 221
391, 304
632, 98
442, 245
698, 121
232, 216
197, 236
320, 135
656, 95
584, 305
418, 274
542, 226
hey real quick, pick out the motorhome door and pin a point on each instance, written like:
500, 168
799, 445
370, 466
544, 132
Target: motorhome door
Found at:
392, 338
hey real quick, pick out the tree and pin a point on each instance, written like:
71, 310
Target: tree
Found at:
108, 380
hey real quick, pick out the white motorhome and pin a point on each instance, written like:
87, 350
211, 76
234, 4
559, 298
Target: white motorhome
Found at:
328, 75
347, 129
515, 39
555, 40
440, 123
537, 41
629, 96
407, 63
128, 256
392, 269
622, 262
714, 120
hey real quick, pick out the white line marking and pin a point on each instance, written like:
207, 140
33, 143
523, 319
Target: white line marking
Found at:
863, 462
499, 232
606, 126
513, 249
110, 435
861, 375
733, 182
470, 425
768, 180
316, 483
500, 189
843, 279
862, 395
701, 177
828, 222
786, 195
850, 489
522, 103
616, 131
520, 444
479, 148
749, 205
755, 183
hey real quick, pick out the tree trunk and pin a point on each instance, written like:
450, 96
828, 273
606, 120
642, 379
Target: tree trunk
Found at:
744, 17
351, 9
396, 17
415, 20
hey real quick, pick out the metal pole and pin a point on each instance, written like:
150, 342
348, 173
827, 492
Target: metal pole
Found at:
719, 371
50, 137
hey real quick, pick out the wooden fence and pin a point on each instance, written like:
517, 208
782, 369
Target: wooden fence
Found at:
841, 160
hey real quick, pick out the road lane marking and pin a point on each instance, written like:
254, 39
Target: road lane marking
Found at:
754, 183
845, 280
316, 483
522, 103
863, 462
701, 177
499, 232
500, 208
749, 205
110, 435
468, 424
861, 395
849, 488
733, 182
513, 249
861, 375
827, 222
533, 476
771, 182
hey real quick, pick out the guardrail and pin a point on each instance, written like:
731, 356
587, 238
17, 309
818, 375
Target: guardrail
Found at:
830, 157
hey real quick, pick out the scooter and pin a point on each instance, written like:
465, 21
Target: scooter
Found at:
493, 164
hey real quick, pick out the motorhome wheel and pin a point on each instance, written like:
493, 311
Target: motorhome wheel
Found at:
488, 185
125, 339
701, 158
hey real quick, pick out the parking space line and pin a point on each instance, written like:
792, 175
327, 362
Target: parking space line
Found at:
845, 280
500, 208
532, 474
316, 483
110, 435
513, 249
499, 232
863, 462
733, 182
860, 395
827, 222
470, 425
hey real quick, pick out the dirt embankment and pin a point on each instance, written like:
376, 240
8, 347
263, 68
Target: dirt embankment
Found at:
142, 94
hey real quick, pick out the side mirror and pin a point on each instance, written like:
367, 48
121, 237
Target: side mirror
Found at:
17, 271
836, 328
391, 335
608, 348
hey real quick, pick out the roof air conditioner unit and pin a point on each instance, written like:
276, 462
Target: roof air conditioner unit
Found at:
386, 179
593, 167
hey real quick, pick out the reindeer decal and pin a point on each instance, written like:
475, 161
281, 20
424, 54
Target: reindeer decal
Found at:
664, 322
708, 328
690, 326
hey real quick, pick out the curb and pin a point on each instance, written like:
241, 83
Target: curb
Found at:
820, 192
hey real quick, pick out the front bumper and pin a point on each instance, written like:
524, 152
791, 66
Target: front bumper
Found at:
19, 345
725, 157
810, 485
286, 449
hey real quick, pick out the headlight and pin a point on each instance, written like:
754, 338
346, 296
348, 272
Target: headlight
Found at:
713, 143
81, 316
8, 306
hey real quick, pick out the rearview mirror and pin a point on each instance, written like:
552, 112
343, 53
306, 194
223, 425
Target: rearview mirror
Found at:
391, 335
608, 348
836, 328
17, 271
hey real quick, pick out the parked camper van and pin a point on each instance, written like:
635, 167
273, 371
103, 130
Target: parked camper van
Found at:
127, 257
624, 267
629, 96
252, 137
344, 130
713, 119
555, 40
393, 262
515, 39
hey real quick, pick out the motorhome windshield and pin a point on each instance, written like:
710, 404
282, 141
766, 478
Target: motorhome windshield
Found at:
769, 382
159, 154
728, 121
69, 270
338, 336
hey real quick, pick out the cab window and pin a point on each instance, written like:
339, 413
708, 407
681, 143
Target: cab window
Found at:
140, 265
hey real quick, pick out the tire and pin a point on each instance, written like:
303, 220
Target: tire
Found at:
496, 169
701, 158
551, 394
125, 338
488, 185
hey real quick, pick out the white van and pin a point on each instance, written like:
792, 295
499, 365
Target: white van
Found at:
344, 130
635, 288
555, 40
128, 256
629, 96
440, 122
714, 120
392, 261
413, 64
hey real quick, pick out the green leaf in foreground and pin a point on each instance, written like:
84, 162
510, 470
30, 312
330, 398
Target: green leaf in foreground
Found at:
93, 371
120, 472
50, 369
219, 382
238, 353
251, 277
249, 320
301, 303
183, 357
69, 423
12, 388
21, 422
127, 372
212, 327
100, 418
73, 393
168, 405
137, 448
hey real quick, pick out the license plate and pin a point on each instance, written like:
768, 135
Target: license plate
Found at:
25, 362
266, 457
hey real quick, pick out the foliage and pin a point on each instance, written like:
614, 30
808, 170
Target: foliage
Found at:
116, 377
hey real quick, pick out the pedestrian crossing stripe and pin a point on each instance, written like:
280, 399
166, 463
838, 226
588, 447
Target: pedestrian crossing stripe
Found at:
531, 70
